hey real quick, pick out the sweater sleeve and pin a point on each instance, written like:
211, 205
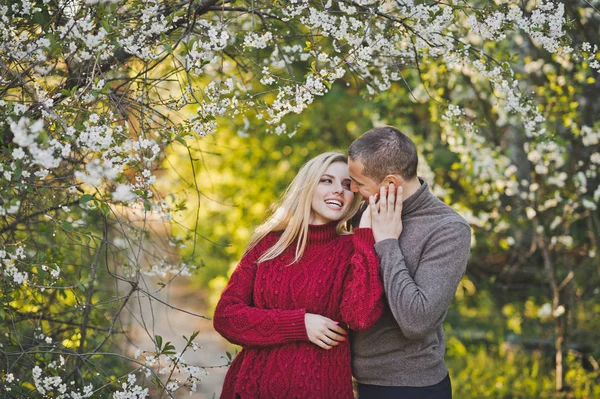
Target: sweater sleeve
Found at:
240, 322
362, 298
419, 304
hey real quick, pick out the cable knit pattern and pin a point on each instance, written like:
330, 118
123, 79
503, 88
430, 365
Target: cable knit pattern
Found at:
263, 307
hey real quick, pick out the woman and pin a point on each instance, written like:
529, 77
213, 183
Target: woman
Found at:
302, 278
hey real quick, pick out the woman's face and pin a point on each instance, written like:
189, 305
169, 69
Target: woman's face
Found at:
332, 198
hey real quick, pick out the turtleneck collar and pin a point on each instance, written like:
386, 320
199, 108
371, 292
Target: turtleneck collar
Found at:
322, 233
417, 199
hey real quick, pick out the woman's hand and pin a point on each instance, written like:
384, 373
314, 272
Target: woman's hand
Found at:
323, 332
365, 219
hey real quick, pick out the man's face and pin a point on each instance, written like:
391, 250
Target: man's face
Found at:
361, 184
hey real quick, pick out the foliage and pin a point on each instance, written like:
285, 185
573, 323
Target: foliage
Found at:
487, 359
95, 94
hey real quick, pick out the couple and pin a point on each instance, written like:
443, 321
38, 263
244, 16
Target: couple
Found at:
306, 281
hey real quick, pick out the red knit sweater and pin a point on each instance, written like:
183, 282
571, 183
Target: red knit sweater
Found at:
263, 307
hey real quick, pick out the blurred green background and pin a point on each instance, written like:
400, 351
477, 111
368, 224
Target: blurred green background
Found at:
500, 337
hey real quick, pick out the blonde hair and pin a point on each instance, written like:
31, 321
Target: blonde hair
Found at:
293, 214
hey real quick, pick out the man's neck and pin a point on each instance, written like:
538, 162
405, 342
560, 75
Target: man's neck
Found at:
410, 187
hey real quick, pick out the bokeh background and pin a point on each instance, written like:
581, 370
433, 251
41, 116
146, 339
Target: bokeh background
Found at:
142, 141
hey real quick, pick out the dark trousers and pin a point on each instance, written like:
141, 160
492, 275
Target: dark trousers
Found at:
441, 390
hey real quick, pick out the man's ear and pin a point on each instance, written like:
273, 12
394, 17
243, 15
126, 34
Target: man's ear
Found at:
396, 179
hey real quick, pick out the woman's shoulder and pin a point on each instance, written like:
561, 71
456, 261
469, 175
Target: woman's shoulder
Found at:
272, 237
345, 240
263, 245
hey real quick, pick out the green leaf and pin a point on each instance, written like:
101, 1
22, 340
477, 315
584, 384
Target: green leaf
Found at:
67, 226
40, 272
169, 349
104, 208
158, 340
85, 198
107, 27
43, 136
18, 170
41, 19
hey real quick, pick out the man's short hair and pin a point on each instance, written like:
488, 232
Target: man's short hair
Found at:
385, 151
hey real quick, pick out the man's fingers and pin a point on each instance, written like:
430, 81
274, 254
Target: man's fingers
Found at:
334, 337
382, 199
336, 329
399, 199
372, 206
391, 199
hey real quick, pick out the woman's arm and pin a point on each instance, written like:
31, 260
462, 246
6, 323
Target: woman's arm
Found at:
241, 323
362, 298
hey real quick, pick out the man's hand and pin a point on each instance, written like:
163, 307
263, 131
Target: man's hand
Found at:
386, 214
323, 332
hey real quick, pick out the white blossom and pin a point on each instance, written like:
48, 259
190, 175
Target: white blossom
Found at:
123, 193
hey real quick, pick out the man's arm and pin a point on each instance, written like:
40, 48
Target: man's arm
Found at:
419, 303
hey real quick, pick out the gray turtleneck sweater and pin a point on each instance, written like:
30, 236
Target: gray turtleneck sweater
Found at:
421, 271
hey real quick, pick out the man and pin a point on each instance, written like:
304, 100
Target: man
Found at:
423, 246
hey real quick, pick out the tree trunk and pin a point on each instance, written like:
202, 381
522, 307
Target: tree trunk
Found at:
560, 341
558, 310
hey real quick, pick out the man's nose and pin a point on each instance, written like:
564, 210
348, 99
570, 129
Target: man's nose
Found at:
353, 187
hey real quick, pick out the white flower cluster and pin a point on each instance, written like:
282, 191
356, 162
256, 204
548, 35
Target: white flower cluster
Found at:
508, 89
163, 269
298, 97
219, 98
58, 388
8, 261
254, 40
22, 46
545, 25
32, 156
46, 155
131, 390
167, 364
203, 50
85, 40
12, 206
96, 171
141, 40
592, 58
430, 30
487, 166
589, 136
54, 271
